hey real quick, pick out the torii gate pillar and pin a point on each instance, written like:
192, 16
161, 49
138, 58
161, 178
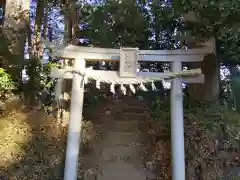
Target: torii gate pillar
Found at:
177, 126
75, 123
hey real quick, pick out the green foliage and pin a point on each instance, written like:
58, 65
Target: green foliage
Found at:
34, 70
39, 78
10, 62
160, 111
6, 85
47, 81
222, 122
219, 19
4, 51
114, 24
235, 88
217, 118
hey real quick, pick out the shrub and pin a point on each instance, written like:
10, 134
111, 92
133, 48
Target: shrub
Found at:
6, 85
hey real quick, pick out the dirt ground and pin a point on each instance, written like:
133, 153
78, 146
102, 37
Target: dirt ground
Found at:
32, 145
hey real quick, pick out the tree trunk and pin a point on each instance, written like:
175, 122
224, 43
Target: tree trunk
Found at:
71, 26
45, 22
209, 90
16, 19
2, 5
37, 48
68, 21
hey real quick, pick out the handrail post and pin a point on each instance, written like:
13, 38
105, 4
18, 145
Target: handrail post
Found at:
75, 123
177, 126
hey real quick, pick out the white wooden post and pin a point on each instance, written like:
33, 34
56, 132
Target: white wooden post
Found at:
177, 126
75, 123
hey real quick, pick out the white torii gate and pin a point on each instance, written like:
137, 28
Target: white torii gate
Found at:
127, 56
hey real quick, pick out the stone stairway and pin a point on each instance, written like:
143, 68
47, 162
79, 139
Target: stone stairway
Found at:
124, 142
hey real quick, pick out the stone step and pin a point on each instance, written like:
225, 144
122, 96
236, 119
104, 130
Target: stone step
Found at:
115, 171
131, 116
137, 116
130, 101
135, 110
125, 138
146, 114
121, 115
128, 107
123, 125
122, 154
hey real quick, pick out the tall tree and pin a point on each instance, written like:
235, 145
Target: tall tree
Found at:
16, 20
37, 50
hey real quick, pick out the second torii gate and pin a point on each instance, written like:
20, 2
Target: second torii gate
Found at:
128, 58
